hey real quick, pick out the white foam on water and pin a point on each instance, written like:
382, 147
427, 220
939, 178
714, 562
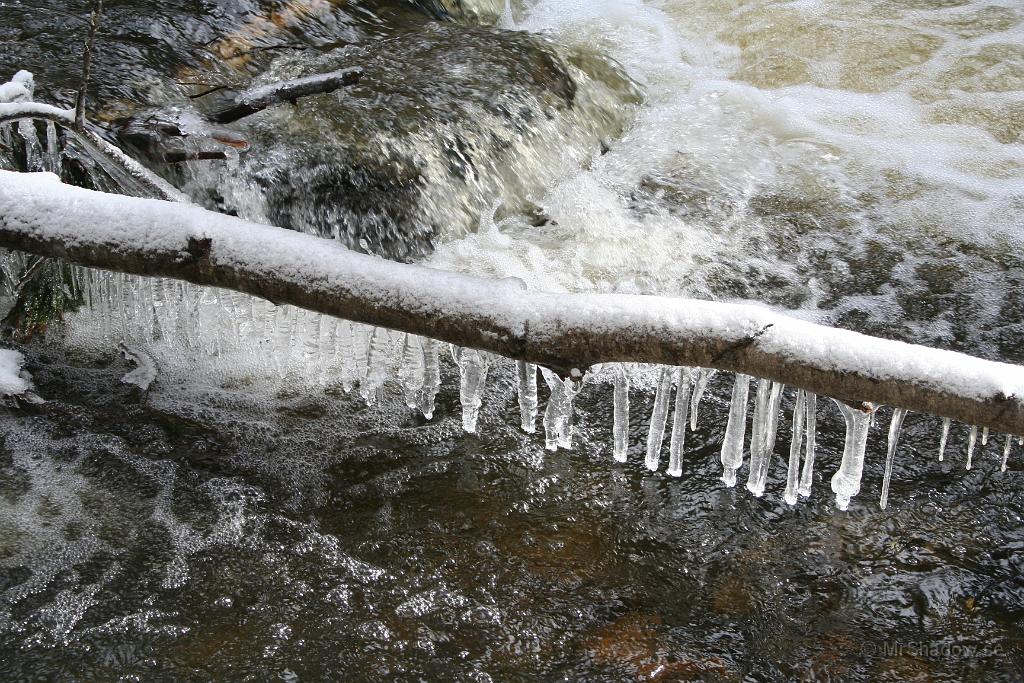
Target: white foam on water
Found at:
852, 121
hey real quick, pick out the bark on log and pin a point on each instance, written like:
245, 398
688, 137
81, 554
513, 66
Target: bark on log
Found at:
561, 331
256, 100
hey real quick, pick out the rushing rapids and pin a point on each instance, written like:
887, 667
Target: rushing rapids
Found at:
212, 471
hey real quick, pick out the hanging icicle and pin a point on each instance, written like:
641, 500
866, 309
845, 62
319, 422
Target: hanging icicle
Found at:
793, 472
762, 438
620, 418
700, 385
972, 441
678, 442
944, 438
411, 374
1006, 452
526, 374
473, 365
659, 415
984, 436
846, 480
372, 384
811, 421
894, 436
735, 430
558, 414
431, 377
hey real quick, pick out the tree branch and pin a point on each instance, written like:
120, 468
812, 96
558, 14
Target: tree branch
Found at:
248, 103
561, 331
90, 43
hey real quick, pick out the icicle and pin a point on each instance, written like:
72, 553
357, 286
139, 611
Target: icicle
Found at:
944, 438
894, 436
376, 367
793, 473
1006, 452
971, 442
411, 373
431, 377
34, 161
347, 355
984, 436
1020, 440
762, 439
558, 414
807, 475
700, 384
620, 419
52, 148
675, 449
659, 415
473, 367
846, 480
735, 430
526, 374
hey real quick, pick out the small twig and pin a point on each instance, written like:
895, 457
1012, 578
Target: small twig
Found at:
177, 157
90, 42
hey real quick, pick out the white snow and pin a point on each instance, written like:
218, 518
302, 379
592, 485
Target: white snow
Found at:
12, 381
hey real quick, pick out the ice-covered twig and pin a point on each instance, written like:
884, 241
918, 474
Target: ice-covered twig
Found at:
559, 331
16, 111
258, 99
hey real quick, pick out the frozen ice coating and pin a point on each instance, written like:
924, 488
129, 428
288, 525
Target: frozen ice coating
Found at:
678, 442
620, 417
807, 473
735, 429
846, 480
895, 425
944, 438
526, 383
972, 441
558, 413
431, 377
793, 471
659, 416
145, 372
1006, 452
473, 365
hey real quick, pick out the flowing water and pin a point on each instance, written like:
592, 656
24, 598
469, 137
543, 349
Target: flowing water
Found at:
250, 518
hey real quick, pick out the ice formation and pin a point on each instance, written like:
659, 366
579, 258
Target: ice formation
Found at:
846, 481
811, 422
972, 441
620, 417
526, 374
558, 414
944, 438
678, 442
735, 430
659, 416
898, 414
700, 385
762, 435
793, 471
473, 365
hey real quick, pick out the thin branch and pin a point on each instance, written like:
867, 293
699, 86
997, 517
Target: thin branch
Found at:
561, 331
248, 103
90, 43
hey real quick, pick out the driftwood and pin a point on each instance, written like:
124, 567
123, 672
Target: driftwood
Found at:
252, 101
560, 331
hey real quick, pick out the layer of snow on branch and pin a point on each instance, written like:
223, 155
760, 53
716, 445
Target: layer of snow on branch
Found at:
40, 204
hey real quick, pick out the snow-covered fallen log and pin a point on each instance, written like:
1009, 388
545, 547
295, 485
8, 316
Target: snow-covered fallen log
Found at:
38, 214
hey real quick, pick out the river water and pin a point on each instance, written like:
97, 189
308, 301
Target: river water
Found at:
857, 163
